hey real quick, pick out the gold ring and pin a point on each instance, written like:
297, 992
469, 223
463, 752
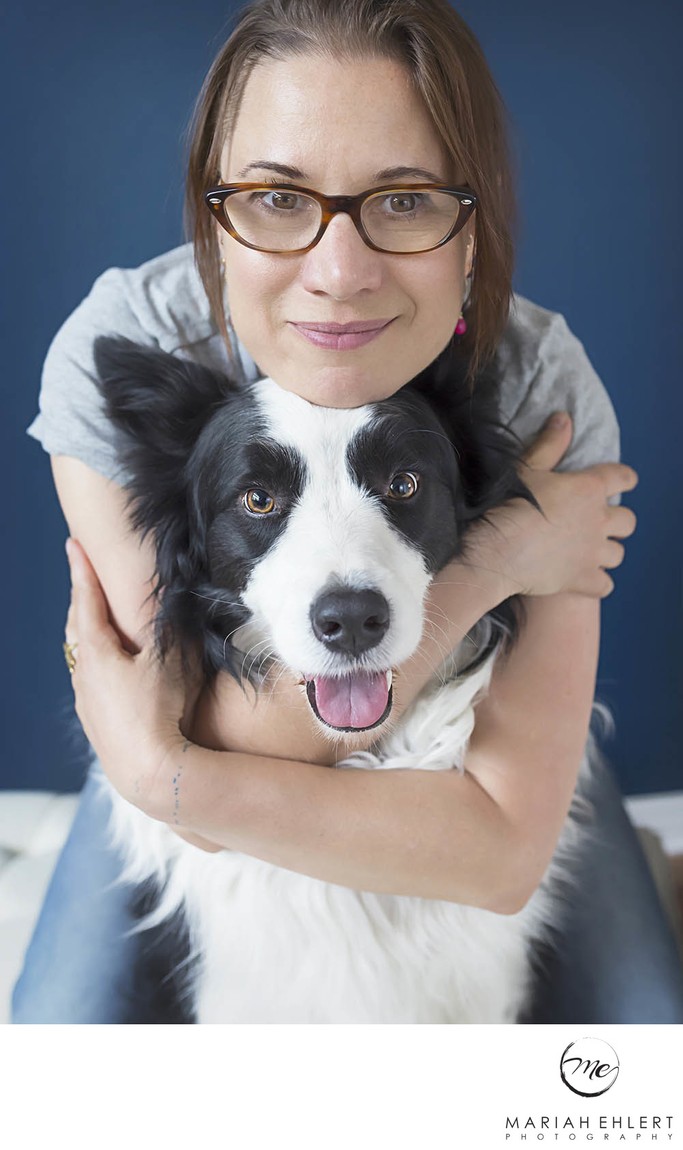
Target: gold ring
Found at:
69, 649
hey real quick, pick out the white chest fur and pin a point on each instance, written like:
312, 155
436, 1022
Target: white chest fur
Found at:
276, 946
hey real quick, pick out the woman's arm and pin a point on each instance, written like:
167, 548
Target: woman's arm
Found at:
95, 510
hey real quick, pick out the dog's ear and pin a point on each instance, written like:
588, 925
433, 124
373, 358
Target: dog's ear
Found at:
159, 401
161, 404
487, 451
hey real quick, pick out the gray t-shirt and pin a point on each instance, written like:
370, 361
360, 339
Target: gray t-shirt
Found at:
163, 304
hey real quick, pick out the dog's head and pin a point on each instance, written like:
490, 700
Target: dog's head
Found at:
298, 534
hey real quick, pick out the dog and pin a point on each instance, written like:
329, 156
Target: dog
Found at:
297, 539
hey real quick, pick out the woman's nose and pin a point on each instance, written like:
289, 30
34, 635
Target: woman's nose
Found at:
340, 264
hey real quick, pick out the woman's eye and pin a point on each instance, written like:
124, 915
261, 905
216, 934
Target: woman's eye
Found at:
403, 202
403, 486
258, 501
279, 201
283, 200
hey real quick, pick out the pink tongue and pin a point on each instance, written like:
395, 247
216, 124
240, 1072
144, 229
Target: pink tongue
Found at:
357, 700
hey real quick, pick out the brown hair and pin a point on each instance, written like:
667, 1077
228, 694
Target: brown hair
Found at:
449, 71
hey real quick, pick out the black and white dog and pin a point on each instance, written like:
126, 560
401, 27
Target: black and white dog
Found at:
294, 536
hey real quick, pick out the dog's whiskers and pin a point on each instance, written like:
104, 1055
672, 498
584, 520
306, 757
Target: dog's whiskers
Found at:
429, 664
225, 641
262, 655
229, 636
209, 598
272, 687
433, 623
480, 567
215, 600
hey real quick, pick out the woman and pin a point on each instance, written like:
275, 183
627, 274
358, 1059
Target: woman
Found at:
341, 98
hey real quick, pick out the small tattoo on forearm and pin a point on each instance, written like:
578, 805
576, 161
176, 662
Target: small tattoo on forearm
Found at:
176, 786
176, 795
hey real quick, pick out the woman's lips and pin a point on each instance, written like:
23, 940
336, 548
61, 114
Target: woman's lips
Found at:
342, 336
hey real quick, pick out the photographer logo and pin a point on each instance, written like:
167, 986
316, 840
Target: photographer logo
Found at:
589, 1067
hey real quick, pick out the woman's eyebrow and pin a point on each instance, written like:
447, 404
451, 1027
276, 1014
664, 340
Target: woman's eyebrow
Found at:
401, 172
281, 169
292, 173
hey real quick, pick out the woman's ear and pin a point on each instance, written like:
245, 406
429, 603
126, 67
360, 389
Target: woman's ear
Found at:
470, 249
221, 250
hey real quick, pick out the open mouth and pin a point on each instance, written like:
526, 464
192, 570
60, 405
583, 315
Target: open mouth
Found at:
355, 702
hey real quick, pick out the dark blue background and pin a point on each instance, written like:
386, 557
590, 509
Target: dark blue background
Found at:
95, 99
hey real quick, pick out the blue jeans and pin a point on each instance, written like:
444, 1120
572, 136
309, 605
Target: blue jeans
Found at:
615, 962
616, 959
83, 964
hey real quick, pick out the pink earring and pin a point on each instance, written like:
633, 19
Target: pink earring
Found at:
461, 325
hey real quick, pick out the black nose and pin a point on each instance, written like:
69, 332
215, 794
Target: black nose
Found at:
350, 621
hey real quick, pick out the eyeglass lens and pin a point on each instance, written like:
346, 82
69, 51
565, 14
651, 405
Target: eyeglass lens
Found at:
398, 220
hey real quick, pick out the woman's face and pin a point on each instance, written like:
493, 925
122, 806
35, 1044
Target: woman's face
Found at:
341, 127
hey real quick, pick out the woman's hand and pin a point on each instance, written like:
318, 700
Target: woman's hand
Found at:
570, 546
131, 706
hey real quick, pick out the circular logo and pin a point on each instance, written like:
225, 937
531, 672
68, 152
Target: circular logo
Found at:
589, 1067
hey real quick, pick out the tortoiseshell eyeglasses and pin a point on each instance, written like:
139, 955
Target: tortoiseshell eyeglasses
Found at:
284, 218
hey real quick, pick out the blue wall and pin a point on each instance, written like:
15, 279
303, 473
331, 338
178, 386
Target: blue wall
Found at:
96, 98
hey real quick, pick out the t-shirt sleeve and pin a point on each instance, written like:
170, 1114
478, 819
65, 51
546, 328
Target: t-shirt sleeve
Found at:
72, 419
561, 378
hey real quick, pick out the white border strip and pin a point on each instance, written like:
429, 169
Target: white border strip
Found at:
333, 1087
661, 813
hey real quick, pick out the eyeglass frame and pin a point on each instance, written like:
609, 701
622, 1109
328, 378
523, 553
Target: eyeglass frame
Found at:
332, 205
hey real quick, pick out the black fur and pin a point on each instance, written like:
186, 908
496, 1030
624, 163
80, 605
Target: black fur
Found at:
191, 439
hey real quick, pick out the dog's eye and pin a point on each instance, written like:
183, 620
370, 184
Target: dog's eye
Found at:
403, 485
258, 501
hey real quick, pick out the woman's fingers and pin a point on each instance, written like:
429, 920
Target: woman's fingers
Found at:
88, 622
606, 585
622, 522
70, 633
551, 443
617, 477
613, 555
88, 609
596, 584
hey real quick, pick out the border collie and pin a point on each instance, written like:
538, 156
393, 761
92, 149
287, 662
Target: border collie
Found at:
301, 539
